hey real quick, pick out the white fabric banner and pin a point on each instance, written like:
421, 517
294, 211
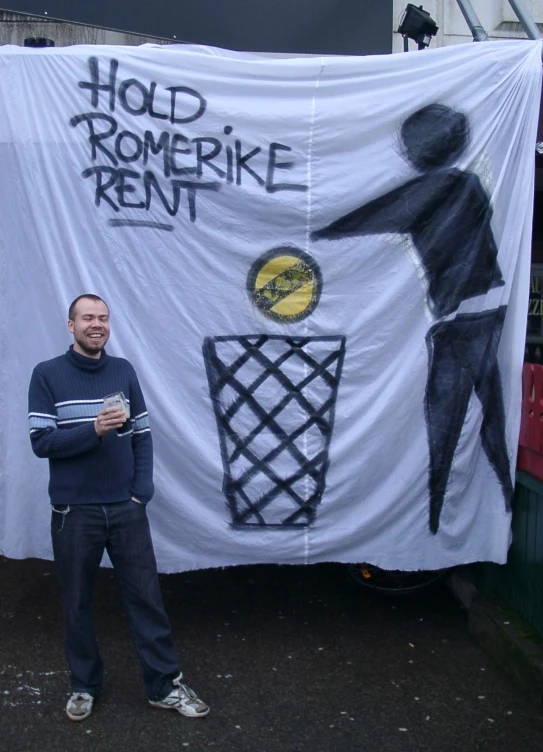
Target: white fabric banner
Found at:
319, 269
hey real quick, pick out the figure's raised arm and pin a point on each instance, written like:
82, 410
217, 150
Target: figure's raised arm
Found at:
392, 212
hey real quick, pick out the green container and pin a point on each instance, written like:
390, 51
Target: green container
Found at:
520, 582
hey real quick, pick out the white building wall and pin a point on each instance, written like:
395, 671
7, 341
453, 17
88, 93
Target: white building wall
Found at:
496, 17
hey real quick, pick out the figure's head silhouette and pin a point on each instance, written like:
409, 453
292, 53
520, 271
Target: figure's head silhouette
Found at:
434, 136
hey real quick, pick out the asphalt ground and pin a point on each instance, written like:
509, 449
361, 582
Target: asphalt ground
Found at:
291, 659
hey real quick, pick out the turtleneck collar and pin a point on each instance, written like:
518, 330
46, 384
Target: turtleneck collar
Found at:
85, 363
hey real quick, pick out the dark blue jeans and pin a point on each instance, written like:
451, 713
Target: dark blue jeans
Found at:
80, 533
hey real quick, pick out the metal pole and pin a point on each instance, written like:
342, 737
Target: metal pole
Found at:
477, 31
528, 23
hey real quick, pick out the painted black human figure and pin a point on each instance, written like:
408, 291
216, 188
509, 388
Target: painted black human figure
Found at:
447, 213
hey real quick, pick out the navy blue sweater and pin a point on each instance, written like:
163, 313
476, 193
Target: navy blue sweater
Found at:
64, 398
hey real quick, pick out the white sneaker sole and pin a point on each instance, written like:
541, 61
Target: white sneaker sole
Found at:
78, 717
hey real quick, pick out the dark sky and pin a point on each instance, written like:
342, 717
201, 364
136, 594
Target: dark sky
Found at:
301, 26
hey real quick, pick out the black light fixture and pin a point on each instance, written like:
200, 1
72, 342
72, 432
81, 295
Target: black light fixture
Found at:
38, 42
418, 26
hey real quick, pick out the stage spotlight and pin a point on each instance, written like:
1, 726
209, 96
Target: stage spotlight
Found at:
418, 26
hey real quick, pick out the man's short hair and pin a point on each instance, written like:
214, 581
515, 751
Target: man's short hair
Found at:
90, 296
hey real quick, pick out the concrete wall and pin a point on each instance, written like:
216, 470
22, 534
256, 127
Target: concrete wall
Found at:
16, 27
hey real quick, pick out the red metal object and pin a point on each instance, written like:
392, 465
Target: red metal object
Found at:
530, 452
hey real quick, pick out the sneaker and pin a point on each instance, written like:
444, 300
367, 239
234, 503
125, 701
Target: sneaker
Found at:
79, 706
184, 700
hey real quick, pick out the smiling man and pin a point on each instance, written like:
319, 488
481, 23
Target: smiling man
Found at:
101, 479
88, 321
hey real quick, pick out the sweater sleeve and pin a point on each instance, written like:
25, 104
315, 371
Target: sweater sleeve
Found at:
142, 445
46, 438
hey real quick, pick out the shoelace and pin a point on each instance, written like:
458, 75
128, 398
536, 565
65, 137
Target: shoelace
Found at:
185, 693
83, 698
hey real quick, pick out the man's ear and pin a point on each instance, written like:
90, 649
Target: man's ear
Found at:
70, 326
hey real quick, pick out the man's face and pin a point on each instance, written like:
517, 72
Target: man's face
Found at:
90, 327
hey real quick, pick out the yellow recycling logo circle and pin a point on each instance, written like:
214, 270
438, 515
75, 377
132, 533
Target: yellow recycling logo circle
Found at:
285, 284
